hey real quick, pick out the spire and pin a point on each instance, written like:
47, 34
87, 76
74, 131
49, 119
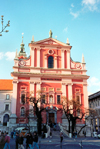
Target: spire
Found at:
83, 60
50, 34
16, 56
22, 52
67, 42
32, 39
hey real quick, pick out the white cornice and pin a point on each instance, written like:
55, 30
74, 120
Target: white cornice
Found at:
42, 68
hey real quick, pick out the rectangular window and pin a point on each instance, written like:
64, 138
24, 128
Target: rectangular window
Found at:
78, 100
7, 107
43, 98
58, 99
23, 98
7, 96
22, 111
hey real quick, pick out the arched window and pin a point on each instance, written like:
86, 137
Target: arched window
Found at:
22, 111
50, 62
5, 119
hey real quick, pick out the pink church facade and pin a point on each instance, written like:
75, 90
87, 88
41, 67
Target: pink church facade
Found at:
49, 68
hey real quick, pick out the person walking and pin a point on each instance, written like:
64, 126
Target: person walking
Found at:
0, 133
17, 140
61, 136
2, 141
27, 140
21, 139
30, 140
7, 141
35, 139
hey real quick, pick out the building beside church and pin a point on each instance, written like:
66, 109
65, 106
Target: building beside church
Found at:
94, 103
49, 68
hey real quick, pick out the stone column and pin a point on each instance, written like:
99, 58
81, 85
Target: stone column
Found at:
32, 57
55, 63
45, 65
63, 60
68, 59
38, 57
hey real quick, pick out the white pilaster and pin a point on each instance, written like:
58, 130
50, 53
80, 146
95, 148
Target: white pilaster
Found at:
55, 63
85, 95
14, 99
38, 57
64, 89
31, 86
45, 65
32, 57
70, 91
62, 59
38, 88
68, 59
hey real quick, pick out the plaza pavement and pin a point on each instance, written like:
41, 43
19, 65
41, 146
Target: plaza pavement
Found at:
68, 143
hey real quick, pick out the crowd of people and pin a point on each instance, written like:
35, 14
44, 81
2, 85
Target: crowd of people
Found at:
19, 139
30, 138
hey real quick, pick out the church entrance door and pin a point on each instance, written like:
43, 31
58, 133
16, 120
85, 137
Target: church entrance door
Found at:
51, 118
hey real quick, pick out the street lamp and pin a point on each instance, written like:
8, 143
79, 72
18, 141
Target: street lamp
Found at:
4, 27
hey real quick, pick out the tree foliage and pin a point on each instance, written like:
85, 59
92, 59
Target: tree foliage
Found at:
74, 111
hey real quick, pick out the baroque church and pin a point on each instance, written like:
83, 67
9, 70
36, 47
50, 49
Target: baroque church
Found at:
49, 69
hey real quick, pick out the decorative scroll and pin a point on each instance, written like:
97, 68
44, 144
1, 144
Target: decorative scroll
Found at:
76, 65
21, 63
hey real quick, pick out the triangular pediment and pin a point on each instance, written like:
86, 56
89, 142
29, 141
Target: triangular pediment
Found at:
50, 41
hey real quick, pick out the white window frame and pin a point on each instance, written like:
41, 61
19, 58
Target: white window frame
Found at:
24, 111
8, 107
7, 95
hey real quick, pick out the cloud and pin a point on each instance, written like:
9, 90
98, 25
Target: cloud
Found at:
92, 5
65, 29
1, 55
10, 56
72, 5
94, 84
75, 15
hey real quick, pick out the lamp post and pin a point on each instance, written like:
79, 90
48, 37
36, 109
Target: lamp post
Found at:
4, 27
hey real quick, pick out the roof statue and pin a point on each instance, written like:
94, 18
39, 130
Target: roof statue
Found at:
32, 39
50, 33
68, 42
83, 60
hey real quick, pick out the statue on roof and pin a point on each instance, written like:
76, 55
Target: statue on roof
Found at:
50, 34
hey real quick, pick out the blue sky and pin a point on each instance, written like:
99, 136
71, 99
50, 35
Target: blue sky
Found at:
78, 20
